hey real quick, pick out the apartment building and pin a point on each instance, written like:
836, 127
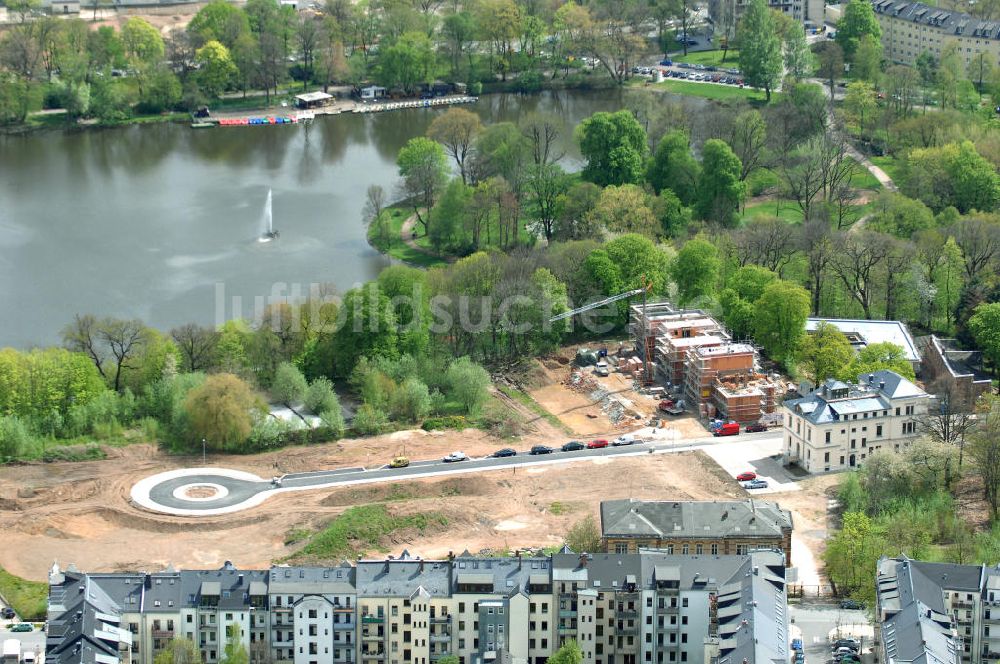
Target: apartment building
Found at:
655, 607
406, 610
839, 425
695, 527
912, 28
939, 611
803, 11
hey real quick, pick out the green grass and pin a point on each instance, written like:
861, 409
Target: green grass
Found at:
558, 508
399, 249
361, 529
710, 58
788, 211
865, 180
891, 166
28, 598
525, 399
713, 90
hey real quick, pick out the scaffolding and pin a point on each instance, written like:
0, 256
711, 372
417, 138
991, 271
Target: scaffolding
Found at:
706, 363
745, 397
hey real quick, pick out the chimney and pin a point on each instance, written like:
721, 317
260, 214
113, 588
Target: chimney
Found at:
239, 580
871, 379
583, 560
881, 385
451, 556
519, 559
421, 565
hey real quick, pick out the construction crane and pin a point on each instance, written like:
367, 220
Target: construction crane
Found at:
646, 287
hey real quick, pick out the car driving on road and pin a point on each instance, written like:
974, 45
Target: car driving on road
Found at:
597, 444
455, 456
23, 627
541, 449
399, 462
573, 446
505, 452
755, 427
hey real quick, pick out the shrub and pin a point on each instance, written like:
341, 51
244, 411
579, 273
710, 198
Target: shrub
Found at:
412, 401
369, 420
289, 384
333, 420
88, 452
320, 397
446, 422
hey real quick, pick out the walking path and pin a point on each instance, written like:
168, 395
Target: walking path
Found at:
409, 238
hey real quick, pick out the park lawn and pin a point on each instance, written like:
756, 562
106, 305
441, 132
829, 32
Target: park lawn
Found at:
865, 180
400, 250
714, 91
891, 166
710, 58
789, 211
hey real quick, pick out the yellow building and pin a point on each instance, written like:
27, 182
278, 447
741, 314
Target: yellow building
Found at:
911, 28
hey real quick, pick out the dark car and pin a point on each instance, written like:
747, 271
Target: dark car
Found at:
796, 644
505, 452
666, 62
756, 427
846, 643
541, 449
7, 613
573, 446
851, 605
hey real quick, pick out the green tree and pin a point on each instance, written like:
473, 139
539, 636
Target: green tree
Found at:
424, 169
568, 653
673, 167
15, 438
984, 448
320, 396
143, 43
614, 145
623, 210
222, 412
868, 59
411, 402
408, 62
217, 70
860, 103
857, 21
179, 651
779, 319
695, 270
447, 229
720, 190
953, 174
161, 92
235, 652
456, 129
14, 98
901, 216
831, 63
289, 386
674, 218
745, 287
584, 536
369, 420
219, 21
468, 383
369, 329
798, 58
851, 555
824, 353
984, 325
760, 48
877, 357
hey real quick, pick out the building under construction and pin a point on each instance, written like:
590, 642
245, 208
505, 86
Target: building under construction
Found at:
663, 334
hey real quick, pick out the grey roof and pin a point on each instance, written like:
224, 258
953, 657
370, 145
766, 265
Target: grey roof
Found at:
400, 578
687, 519
873, 392
506, 575
955, 23
861, 333
958, 361
311, 580
232, 584
83, 623
753, 612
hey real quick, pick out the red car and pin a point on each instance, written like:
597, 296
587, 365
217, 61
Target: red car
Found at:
746, 477
597, 444
755, 427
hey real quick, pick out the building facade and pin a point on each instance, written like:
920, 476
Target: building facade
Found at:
839, 425
648, 606
695, 527
954, 374
912, 28
803, 11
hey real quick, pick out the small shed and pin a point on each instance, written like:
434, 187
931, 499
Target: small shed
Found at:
312, 99
372, 92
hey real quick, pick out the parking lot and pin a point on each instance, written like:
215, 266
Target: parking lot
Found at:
761, 455
33, 641
819, 623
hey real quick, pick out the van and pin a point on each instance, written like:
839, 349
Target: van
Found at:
28, 657
601, 369
728, 429
627, 439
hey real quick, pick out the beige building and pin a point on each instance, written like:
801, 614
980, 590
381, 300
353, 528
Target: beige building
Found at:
839, 425
801, 10
912, 28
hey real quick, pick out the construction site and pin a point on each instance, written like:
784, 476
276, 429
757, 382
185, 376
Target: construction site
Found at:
696, 360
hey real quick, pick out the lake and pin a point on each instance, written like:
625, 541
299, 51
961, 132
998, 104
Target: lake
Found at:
160, 222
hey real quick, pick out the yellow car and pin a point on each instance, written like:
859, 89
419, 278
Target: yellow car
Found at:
399, 462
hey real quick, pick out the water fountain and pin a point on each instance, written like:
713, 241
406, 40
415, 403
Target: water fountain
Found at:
267, 232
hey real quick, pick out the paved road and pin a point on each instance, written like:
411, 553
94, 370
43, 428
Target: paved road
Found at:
235, 491
819, 623
33, 641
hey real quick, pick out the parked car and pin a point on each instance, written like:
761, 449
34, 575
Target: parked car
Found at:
851, 605
23, 627
746, 477
505, 452
626, 439
573, 446
847, 643
597, 444
399, 462
755, 427
456, 456
541, 449
728, 429
666, 62
800, 657
754, 484
7, 613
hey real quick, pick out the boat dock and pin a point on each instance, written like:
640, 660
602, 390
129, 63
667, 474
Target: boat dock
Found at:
413, 103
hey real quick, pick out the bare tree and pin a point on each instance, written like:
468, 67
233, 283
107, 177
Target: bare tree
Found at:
766, 241
984, 448
456, 130
818, 246
543, 132
375, 200
898, 259
979, 240
197, 345
81, 336
123, 339
857, 260
950, 418
747, 137
803, 171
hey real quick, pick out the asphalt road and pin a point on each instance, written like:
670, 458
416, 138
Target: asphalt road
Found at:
33, 641
820, 622
242, 490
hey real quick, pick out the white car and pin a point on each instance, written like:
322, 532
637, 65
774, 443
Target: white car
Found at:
455, 456
627, 439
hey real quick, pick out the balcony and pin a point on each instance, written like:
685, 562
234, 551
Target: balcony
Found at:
372, 620
337, 608
627, 614
163, 633
440, 638
438, 655
345, 625
438, 620
627, 631
372, 636
281, 609
379, 655
567, 613
565, 630
669, 610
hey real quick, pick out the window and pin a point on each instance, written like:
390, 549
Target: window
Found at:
878, 430
697, 549
826, 457
715, 549
684, 549
621, 547
827, 437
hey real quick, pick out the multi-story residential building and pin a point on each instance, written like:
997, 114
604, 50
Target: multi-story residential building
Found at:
912, 28
940, 611
696, 527
839, 425
649, 606
729, 12
656, 607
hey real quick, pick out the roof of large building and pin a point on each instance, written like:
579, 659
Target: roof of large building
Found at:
312, 580
84, 623
507, 576
956, 23
862, 333
689, 519
958, 361
403, 577
836, 400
